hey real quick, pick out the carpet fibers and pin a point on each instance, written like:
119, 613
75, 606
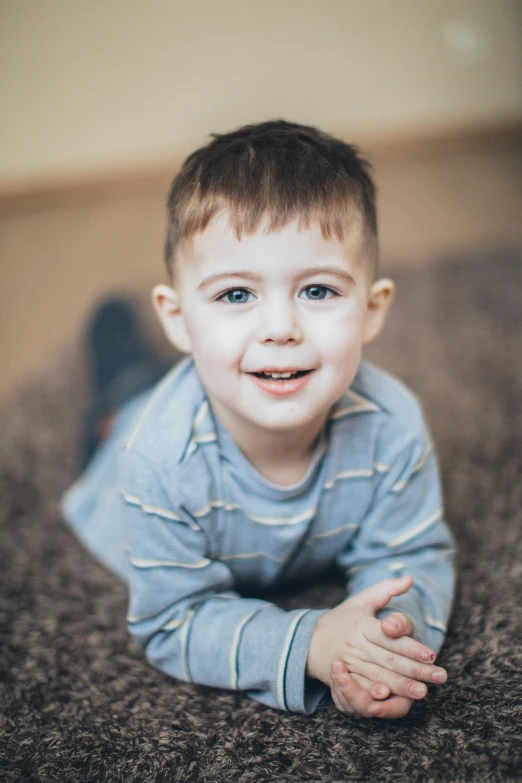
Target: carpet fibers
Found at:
78, 703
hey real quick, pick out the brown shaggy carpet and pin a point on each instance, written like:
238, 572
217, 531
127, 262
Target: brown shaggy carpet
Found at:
78, 703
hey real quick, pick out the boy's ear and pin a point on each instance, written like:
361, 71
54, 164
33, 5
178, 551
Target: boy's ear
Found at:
167, 306
379, 301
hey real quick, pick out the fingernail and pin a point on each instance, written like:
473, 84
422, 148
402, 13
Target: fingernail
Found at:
393, 623
336, 668
380, 691
427, 656
418, 690
439, 676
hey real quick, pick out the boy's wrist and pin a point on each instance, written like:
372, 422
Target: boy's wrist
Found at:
313, 661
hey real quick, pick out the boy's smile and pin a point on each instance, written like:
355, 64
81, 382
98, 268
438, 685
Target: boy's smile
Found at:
282, 381
275, 322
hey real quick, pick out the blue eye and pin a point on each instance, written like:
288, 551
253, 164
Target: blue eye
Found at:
236, 296
314, 293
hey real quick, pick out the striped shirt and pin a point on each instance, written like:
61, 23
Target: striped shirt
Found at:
172, 505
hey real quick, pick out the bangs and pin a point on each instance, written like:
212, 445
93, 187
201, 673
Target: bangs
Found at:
285, 173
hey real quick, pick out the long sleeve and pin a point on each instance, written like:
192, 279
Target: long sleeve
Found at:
186, 615
404, 533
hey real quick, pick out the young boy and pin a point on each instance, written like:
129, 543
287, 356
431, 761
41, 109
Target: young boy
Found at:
274, 453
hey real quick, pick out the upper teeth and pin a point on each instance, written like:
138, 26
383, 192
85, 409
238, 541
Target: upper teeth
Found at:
278, 374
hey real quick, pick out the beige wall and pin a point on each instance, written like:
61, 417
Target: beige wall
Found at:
89, 84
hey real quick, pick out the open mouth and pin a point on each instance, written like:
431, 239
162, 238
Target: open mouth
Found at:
281, 382
281, 376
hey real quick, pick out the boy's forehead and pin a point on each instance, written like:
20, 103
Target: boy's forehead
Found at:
220, 245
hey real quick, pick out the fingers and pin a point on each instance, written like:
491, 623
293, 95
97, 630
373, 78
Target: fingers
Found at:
376, 689
397, 624
395, 663
394, 707
411, 687
407, 651
350, 698
378, 595
339, 700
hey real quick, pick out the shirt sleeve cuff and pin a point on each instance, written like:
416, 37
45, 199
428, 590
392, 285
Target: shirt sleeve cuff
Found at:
303, 694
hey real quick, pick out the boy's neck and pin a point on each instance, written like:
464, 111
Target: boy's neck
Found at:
280, 456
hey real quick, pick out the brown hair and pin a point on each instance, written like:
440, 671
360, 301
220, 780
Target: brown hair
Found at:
276, 171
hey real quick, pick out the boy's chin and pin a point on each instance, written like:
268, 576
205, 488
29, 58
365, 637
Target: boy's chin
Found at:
286, 424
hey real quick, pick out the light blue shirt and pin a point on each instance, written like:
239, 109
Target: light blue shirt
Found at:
172, 505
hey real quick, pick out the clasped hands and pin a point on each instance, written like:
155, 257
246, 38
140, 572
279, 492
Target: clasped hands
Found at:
374, 668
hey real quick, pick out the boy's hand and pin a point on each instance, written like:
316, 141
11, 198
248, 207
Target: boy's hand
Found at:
355, 695
353, 698
352, 634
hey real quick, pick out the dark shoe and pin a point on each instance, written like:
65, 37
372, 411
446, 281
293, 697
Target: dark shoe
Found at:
121, 364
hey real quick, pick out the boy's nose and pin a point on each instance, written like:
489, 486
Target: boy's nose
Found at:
279, 324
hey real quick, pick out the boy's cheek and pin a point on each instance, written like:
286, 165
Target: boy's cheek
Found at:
339, 334
341, 350
213, 337
219, 351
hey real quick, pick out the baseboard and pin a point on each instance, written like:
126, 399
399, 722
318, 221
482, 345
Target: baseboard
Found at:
135, 178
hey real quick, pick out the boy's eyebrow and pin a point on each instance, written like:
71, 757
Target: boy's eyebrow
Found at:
308, 272
223, 275
327, 270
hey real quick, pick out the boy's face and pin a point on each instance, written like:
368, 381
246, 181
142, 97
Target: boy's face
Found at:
288, 302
